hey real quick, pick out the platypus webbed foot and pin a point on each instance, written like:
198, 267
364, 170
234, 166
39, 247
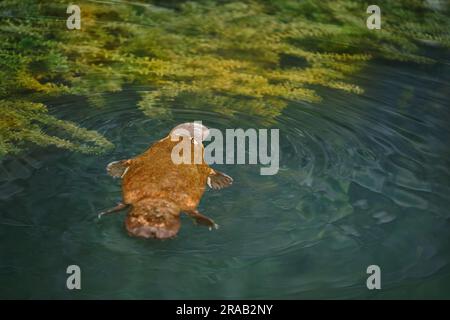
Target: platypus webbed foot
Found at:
117, 169
203, 220
218, 180
120, 206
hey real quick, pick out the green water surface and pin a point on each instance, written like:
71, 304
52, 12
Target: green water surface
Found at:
363, 180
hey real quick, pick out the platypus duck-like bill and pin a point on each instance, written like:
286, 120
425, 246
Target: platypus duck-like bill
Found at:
156, 190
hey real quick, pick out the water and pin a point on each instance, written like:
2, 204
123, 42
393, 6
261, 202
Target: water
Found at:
363, 180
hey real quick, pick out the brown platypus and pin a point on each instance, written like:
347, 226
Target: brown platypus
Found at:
157, 190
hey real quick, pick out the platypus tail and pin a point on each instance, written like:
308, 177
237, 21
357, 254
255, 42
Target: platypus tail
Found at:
153, 218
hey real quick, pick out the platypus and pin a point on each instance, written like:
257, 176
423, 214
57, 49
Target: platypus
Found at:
156, 189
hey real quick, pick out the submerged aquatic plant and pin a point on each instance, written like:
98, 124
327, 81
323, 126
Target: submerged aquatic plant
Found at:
22, 121
232, 57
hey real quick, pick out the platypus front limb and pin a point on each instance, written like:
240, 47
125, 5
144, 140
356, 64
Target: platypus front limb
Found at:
118, 169
203, 220
218, 180
120, 206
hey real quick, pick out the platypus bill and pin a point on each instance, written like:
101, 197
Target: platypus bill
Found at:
156, 190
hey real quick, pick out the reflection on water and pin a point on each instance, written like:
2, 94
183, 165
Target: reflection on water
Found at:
363, 180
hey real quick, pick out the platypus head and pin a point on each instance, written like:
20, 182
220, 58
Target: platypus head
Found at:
153, 218
194, 130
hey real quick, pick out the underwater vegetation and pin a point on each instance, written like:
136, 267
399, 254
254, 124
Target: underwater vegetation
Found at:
232, 57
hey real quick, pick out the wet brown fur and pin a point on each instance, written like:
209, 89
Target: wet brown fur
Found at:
159, 190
